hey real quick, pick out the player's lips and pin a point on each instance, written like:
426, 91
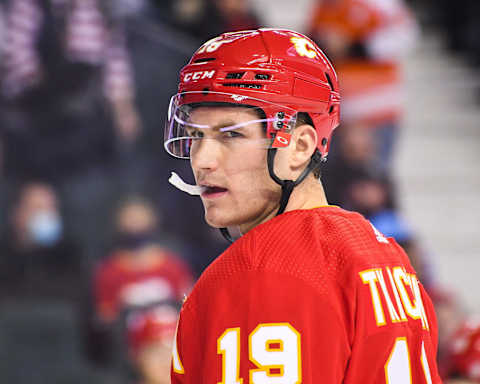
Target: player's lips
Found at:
212, 191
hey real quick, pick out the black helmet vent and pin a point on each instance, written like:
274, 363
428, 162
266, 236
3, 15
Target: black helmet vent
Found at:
235, 75
205, 60
241, 85
262, 76
329, 81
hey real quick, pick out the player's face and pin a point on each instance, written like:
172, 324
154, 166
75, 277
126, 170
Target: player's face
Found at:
233, 167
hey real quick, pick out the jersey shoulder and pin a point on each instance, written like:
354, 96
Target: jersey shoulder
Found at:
326, 234
321, 247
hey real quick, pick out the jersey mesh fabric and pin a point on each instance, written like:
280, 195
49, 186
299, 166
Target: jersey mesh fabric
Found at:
285, 244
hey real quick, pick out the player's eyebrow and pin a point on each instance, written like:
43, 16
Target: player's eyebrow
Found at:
225, 125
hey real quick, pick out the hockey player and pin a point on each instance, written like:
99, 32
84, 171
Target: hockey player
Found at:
309, 293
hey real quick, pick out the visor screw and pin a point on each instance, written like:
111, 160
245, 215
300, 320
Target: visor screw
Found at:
281, 115
324, 141
279, 124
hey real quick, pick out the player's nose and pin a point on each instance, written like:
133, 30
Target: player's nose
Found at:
205, 155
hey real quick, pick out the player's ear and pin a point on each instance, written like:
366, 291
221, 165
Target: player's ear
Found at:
304, 143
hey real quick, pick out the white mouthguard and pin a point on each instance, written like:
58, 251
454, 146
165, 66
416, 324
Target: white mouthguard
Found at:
191, 189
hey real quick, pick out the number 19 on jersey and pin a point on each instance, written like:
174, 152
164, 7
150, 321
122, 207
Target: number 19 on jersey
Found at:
274, 348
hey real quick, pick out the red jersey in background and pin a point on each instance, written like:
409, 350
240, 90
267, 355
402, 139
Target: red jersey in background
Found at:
119, 283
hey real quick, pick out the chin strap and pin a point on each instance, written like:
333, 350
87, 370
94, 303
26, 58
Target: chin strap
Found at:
226, 235
287, 185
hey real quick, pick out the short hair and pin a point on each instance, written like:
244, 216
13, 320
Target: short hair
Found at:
304, 118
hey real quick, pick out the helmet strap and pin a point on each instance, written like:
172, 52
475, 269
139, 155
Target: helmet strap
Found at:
226, 235
287, 185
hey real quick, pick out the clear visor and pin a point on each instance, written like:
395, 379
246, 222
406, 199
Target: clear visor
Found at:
236, 121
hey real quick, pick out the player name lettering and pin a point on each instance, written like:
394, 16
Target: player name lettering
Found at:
396, 291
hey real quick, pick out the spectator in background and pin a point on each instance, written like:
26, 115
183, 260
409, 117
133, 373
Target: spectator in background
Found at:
352, 154
88, 39
193, 17
205, 19
458, 339
371, 194
38, 260
464, 354
150, 338
236, 15
67, 88
140, 270
366, 41
138, 273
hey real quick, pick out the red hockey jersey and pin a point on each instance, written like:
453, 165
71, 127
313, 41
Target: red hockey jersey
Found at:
118, 284
311, 296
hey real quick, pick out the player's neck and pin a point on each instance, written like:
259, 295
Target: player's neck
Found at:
307, 195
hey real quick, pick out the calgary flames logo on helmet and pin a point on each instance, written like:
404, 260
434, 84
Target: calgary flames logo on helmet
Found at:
304, 47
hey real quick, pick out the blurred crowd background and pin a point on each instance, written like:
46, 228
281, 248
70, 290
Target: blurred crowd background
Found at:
97, 250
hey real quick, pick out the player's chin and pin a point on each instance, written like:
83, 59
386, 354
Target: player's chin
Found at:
216, 222
217, 218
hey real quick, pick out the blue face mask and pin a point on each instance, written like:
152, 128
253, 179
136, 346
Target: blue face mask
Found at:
45, 228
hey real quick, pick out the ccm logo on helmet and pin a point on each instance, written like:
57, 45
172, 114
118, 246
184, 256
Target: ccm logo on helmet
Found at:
200, 75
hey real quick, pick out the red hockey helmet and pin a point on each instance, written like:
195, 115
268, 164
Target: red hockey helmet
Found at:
281, 72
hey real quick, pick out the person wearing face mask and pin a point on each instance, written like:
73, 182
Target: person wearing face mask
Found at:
38, 259
139, 271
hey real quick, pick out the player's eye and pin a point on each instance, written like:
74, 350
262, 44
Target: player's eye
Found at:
195, 133
232, 134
